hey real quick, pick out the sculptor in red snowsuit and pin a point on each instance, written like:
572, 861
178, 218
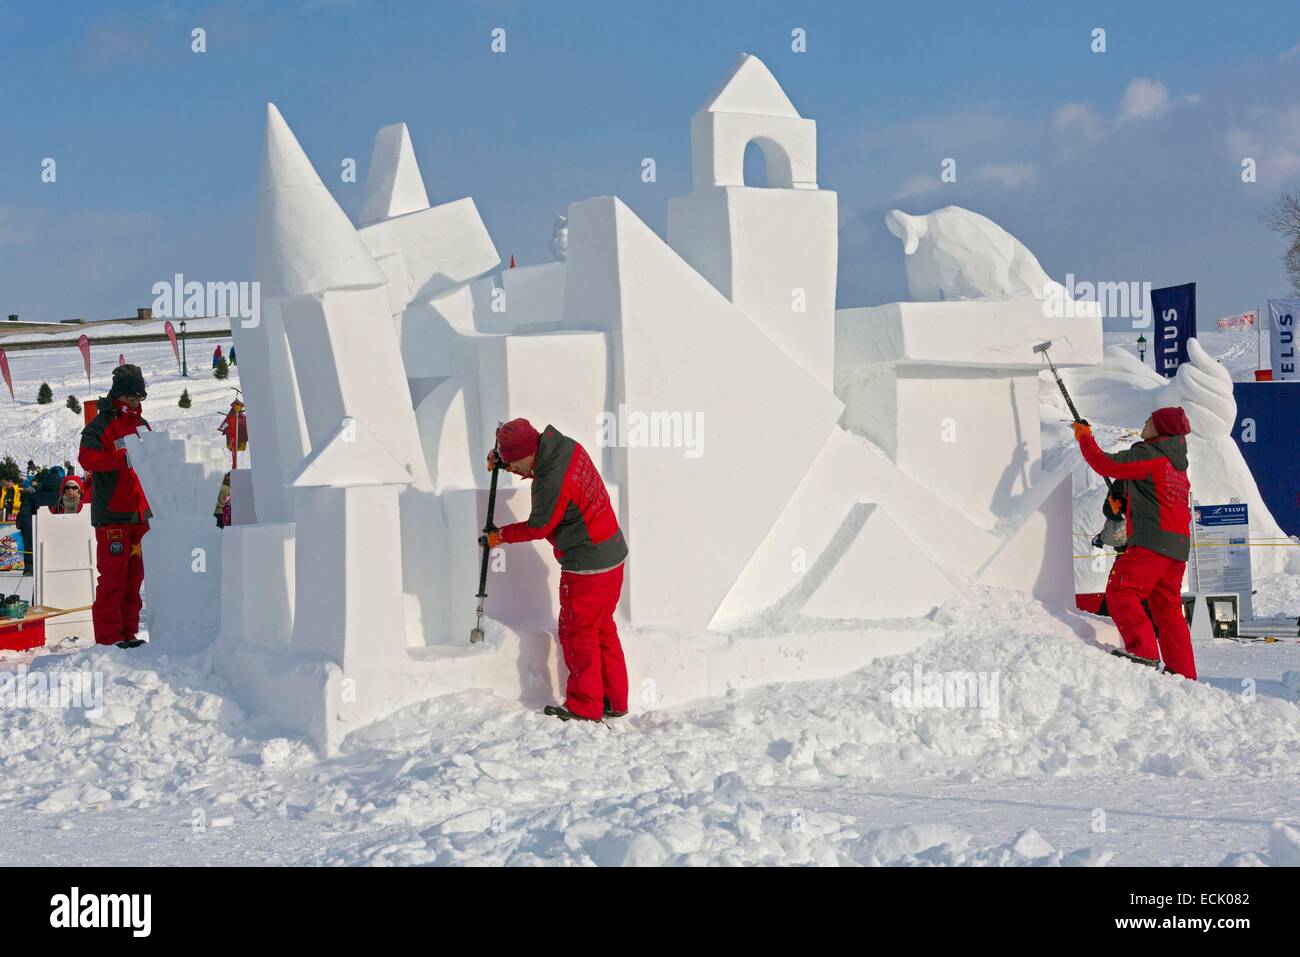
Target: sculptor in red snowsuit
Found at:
572, 511
118, 509
1158, 520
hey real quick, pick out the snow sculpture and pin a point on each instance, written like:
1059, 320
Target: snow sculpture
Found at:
772, 461
953, 253
182, 552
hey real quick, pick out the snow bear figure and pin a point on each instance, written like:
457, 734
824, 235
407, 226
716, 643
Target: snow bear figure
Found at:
953, 253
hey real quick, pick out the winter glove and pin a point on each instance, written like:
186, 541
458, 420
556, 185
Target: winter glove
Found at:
1081, 429
490, 539
493, 460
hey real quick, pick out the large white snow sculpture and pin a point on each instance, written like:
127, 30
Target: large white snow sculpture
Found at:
953, 253
793, 505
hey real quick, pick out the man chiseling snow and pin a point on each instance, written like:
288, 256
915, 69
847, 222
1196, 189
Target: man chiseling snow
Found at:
1158, 521
571, 510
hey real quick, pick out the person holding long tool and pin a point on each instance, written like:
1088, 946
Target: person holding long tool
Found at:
572, 511
1153, 498
1158, 522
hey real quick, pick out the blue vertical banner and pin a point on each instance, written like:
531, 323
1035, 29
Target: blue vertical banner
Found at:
1283, 314
1174, 308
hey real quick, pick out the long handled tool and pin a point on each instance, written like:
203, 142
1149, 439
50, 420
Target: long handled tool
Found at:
476, 633
1112, 489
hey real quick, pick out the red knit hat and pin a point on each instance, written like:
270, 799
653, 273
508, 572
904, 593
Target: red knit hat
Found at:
1171, 420
516, 440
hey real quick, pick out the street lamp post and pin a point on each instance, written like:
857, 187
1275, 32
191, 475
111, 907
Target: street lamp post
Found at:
185, 369
1142, 348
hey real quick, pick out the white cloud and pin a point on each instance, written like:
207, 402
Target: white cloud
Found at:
1077, 119
1008, 175
917, 186
1144, 98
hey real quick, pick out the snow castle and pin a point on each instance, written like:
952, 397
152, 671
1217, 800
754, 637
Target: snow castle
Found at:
828, 478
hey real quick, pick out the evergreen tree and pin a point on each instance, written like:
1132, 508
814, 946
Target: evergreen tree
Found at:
185, 402
74, 405
44, 395
9, 470
222, 370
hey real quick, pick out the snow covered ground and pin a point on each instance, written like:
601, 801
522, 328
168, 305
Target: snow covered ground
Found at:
1057, 753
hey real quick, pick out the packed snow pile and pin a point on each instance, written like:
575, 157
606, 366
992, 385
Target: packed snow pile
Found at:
470, 778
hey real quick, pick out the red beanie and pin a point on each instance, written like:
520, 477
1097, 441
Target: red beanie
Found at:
516, 440
1171, 420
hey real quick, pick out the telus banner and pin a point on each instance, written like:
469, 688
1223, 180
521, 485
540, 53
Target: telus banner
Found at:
1175, 310
1281, 337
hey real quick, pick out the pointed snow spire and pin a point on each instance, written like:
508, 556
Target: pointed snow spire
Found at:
750, 88
305, 242
394, 186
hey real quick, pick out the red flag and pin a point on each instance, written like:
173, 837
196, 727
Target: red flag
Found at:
512, 260
84, 345
171, 337
121, 359
4, 371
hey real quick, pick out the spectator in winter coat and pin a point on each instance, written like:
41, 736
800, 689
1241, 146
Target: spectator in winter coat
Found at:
71, 497
1158, 520
11, 500
222, 512
216, 357
44, 492
571, 510
118, 509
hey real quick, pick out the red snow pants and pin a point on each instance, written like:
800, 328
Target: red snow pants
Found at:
116, 613
1143, 574
590, 643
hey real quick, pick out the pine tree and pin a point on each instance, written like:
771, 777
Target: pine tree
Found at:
185, 402
9, 469
222, 370
74, 405
44, 395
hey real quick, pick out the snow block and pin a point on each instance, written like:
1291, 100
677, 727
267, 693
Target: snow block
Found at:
848, 471
352, 457
1038, 558
441, 246
257, 598
533, 297
65, 574
971, 334
517, 377
349, 365
448, 423
772, 252
873, 570
625, 279
394, 186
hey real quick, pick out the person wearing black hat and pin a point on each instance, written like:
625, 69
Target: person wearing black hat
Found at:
118, 509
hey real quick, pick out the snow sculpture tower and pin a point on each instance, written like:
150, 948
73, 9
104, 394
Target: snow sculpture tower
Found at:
771, 251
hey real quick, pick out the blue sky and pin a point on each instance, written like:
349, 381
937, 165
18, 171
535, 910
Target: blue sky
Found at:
1119, 166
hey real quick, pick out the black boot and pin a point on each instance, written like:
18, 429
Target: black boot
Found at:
611, 713
130, 643
563, 713
1148, 662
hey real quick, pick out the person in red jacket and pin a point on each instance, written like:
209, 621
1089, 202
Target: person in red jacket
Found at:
1158, 518
118, 509
572, 511
72, 495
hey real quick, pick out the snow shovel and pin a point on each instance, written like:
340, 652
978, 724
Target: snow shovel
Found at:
476, 633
